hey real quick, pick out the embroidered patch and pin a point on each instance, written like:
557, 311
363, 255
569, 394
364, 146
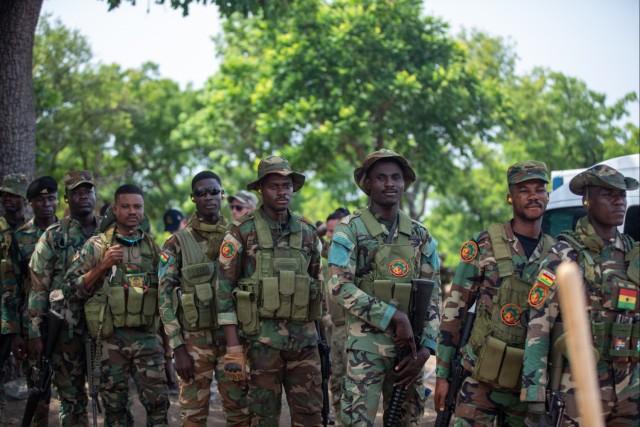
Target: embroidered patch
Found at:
228, 249
510, 314
546, 278
627, 299
399, 268
469, 251
164, 257
538, 294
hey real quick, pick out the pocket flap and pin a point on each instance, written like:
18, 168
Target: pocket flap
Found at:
302, 291
134, 303
270, 293
287, 282
116, 300
243, 305
204, 293
383, 289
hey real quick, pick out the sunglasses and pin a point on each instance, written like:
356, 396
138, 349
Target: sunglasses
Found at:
237, 207
214, 191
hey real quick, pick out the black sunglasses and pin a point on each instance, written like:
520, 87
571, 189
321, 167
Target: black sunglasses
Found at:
236, 207
214, 191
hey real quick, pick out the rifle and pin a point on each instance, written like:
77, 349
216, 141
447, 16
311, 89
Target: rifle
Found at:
421, 290
325, 369
42, 375
554, 405
457, 373
93, 376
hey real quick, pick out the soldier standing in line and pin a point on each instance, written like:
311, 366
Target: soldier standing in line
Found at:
270, 283
43, 198
496, 269
241, 203
610, 262
375, 254
116, 271
51, 258
189, 310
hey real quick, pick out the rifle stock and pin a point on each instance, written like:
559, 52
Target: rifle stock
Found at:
421, 290
325, 368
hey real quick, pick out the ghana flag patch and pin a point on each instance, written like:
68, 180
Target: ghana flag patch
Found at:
164, 257
546, 278
627, 299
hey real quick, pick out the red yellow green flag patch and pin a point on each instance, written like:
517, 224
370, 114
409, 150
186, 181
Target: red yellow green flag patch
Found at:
164, 257
546, 278
627, 299
538, 294
469, 251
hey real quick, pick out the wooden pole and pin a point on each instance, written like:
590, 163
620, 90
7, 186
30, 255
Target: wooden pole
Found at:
579, 340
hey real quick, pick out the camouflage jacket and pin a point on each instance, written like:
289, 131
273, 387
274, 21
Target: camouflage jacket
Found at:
49, 263
242, 234
477, 272
353, 250
170, 276
10, 276
610, 267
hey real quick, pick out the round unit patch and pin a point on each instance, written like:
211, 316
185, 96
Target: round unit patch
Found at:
228, 249
538, 295
399, 268
469, 251
510, 314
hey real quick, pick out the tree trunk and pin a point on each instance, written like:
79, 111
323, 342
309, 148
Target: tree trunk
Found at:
18, 21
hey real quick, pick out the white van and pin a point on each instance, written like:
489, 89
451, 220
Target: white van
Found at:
565, 208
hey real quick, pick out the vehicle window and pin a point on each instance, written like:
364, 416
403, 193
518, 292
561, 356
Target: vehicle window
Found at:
558, 220
632, 222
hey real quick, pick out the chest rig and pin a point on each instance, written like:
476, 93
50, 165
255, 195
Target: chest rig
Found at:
128, 297
394, 265
499, 334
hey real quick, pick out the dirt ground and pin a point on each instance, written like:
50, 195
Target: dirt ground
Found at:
17, 388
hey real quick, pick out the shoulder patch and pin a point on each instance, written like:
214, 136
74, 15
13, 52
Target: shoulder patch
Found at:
469, 251
510, 314
546, 278
228, 249
164, 257
538, 295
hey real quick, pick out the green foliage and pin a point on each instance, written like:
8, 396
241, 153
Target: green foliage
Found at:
226, 7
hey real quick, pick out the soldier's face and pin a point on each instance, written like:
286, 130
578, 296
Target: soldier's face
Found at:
386, 183
44, 206
129, 210
606, 206
207, 204
12, 203
276, 192
529, 199
82, 200
331, 225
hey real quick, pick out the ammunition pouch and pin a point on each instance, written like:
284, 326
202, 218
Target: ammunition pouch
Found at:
499, 365
397, 294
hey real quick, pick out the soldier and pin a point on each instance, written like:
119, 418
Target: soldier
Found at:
610, 262
496, 268
241, 203
375, 253
51, 258
174, 220
116, 271
271, 284
189, 311
43, 198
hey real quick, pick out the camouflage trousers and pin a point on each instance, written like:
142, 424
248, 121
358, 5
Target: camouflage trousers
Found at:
370, 375
208, 355
478, 405
131, 351
298, 371
338, 341
69, 373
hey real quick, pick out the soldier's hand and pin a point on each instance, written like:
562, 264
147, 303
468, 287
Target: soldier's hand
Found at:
440, 395
235, 364
184, 364
170, 371
18, 347
403, 336
113, 256
35, 348
409, 368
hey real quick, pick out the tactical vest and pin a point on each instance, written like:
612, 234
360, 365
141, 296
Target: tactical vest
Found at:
280, 284
499, 336
197, 302
615, 325
394, 265
126, 299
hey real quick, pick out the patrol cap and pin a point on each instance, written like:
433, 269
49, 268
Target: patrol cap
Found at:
172, 218
15, 183
72, 179
526, 171
601, 176
42, 185
361, 173
276, 165
245, 198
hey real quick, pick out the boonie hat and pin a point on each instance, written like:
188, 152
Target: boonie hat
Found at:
360, 173
527, 170
245, 198
276, 165
15, 183
601, 176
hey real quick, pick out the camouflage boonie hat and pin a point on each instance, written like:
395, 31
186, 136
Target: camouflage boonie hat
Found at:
246, 198
15, 183
601, 176
526, 171
72, 179
278, 165
360, 173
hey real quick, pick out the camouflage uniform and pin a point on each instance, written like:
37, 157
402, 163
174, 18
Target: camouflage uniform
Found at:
611, 290
282, 352
128, 351
206, 346
363, 254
